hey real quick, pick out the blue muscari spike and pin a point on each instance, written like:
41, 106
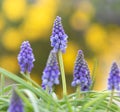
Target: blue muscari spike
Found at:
16, 104
58, 38
26, 57
81, 73
114, 77
51, 72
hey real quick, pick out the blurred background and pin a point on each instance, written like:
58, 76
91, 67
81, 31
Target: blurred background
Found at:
92, 25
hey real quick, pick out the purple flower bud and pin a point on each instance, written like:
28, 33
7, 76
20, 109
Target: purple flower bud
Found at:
51, 72
58, 38
16, 104
114, 78
81, 73
26, 57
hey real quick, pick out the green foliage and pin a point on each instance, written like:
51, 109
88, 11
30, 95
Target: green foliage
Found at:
37, 100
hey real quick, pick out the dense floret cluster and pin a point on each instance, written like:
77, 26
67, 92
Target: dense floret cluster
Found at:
58, 38
51, 72
114, 78
26, 57
81, 73
16, 104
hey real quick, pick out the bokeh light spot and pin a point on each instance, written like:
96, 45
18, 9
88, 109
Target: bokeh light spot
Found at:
14, 9
11, 39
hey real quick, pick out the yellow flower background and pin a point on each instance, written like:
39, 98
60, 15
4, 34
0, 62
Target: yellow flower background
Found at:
93, 27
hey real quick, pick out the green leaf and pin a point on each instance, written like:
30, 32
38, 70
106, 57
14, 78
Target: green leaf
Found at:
100, 98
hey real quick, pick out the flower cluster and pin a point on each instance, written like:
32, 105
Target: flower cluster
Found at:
26, 57
81, 73
114, 78
58, 38
51, 72
16, 104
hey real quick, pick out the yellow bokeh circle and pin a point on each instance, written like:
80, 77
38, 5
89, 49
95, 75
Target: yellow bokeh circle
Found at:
96, 37
9, 63
11, 39
14, 9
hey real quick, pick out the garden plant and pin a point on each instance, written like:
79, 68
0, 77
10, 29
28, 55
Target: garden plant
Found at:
25, 95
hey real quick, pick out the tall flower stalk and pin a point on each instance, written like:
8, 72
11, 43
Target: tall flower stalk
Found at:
81, 74
59, 43
62, 73
51, 73
26, 58
113, 81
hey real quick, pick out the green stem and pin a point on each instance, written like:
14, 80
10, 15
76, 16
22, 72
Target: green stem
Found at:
110, 101
47, 89
28, 75
78, 92
2, 83
62, 73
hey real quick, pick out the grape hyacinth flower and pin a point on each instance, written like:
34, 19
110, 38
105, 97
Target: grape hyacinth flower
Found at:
58, 38
26, 57
51, 72
81, 73
16, 104
114, 77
